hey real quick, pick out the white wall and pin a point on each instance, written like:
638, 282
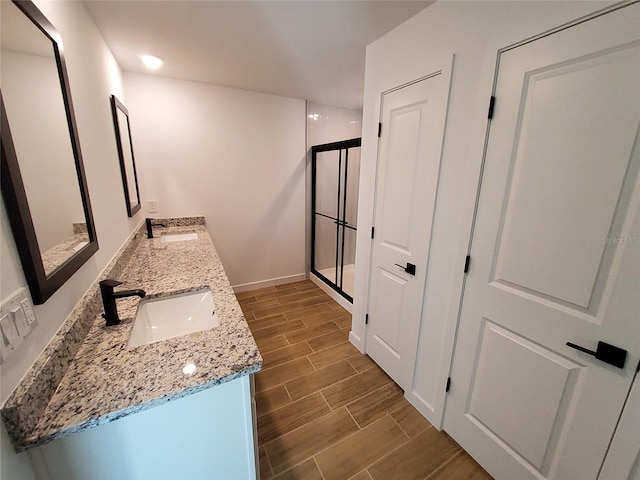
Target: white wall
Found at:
234, 156
327, 124
94, 76
473, 31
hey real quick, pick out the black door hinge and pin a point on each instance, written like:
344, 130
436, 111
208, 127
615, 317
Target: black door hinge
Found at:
379, 129
467, 261
373, 229
492, 104
366, 319
448, 384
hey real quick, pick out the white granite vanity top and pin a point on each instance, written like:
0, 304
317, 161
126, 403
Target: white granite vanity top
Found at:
104, 380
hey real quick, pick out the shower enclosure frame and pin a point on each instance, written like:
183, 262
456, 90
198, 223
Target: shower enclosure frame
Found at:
343, 148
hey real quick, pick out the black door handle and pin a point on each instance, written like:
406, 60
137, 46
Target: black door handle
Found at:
607, 353
410, 268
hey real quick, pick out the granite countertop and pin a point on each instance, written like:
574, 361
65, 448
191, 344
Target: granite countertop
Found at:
105, 380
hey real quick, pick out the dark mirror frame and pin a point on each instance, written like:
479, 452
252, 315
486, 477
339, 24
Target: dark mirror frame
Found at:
115, 106
13, 191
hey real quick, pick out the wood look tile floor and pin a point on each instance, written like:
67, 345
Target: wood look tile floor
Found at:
327, 412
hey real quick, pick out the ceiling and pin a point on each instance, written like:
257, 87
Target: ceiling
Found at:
313, 50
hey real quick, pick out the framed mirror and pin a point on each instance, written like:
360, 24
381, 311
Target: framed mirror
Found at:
125, 153
43, 180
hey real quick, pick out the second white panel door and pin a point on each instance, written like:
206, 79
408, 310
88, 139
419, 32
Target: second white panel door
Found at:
408, 165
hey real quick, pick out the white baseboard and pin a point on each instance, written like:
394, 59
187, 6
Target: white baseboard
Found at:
268, 283
343, 302
356, 342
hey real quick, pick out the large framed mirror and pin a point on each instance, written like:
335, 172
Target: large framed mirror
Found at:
43, 180
125, 153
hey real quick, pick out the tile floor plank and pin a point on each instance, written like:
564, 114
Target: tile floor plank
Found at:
333, 354
278, 329
298, 445
271, 399
257, 324
251, 307
348, 457
272, 377
346, 391
308, 285
263, 463
316, 300
360, 362
461, 466
307, 470
285, 419
363, 475
344, 321
306, 311
328, 340
266, 311
410, 420
298, 296
418, 458
283, 355
271, 343
377, 404
302, 334
321, 317
321, 378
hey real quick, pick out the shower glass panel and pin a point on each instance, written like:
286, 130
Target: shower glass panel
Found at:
335, 176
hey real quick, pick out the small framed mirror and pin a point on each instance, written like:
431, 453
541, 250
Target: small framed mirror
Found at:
43, 181
125, 153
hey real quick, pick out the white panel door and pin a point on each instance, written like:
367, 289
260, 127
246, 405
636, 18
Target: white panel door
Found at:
408, 164
555, 257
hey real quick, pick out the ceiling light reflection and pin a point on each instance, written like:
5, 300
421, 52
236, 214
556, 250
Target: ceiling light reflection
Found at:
189, 369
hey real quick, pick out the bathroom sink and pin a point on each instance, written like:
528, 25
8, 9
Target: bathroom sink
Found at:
178, 237
161, 318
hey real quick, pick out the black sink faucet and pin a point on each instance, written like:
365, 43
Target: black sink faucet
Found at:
109, 299
150, 226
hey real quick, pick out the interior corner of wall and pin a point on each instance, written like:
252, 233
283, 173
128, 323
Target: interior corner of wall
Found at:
356, 341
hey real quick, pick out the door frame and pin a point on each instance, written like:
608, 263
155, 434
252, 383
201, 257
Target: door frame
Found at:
443, 66
420, 261
472, 198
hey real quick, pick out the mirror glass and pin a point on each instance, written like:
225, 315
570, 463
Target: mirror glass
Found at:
45, 190
125, 153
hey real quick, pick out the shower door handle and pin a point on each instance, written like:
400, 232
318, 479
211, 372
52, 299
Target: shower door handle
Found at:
410, 268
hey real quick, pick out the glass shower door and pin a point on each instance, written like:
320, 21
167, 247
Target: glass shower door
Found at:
335, 172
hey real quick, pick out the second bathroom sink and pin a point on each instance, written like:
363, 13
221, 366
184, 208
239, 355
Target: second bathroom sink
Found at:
178, 237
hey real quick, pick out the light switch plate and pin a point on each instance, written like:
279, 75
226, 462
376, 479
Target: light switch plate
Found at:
10, 335
5, 340
20, 321
17, 319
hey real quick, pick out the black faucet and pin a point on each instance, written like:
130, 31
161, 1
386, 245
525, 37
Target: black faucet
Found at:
109, 299
150, 226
